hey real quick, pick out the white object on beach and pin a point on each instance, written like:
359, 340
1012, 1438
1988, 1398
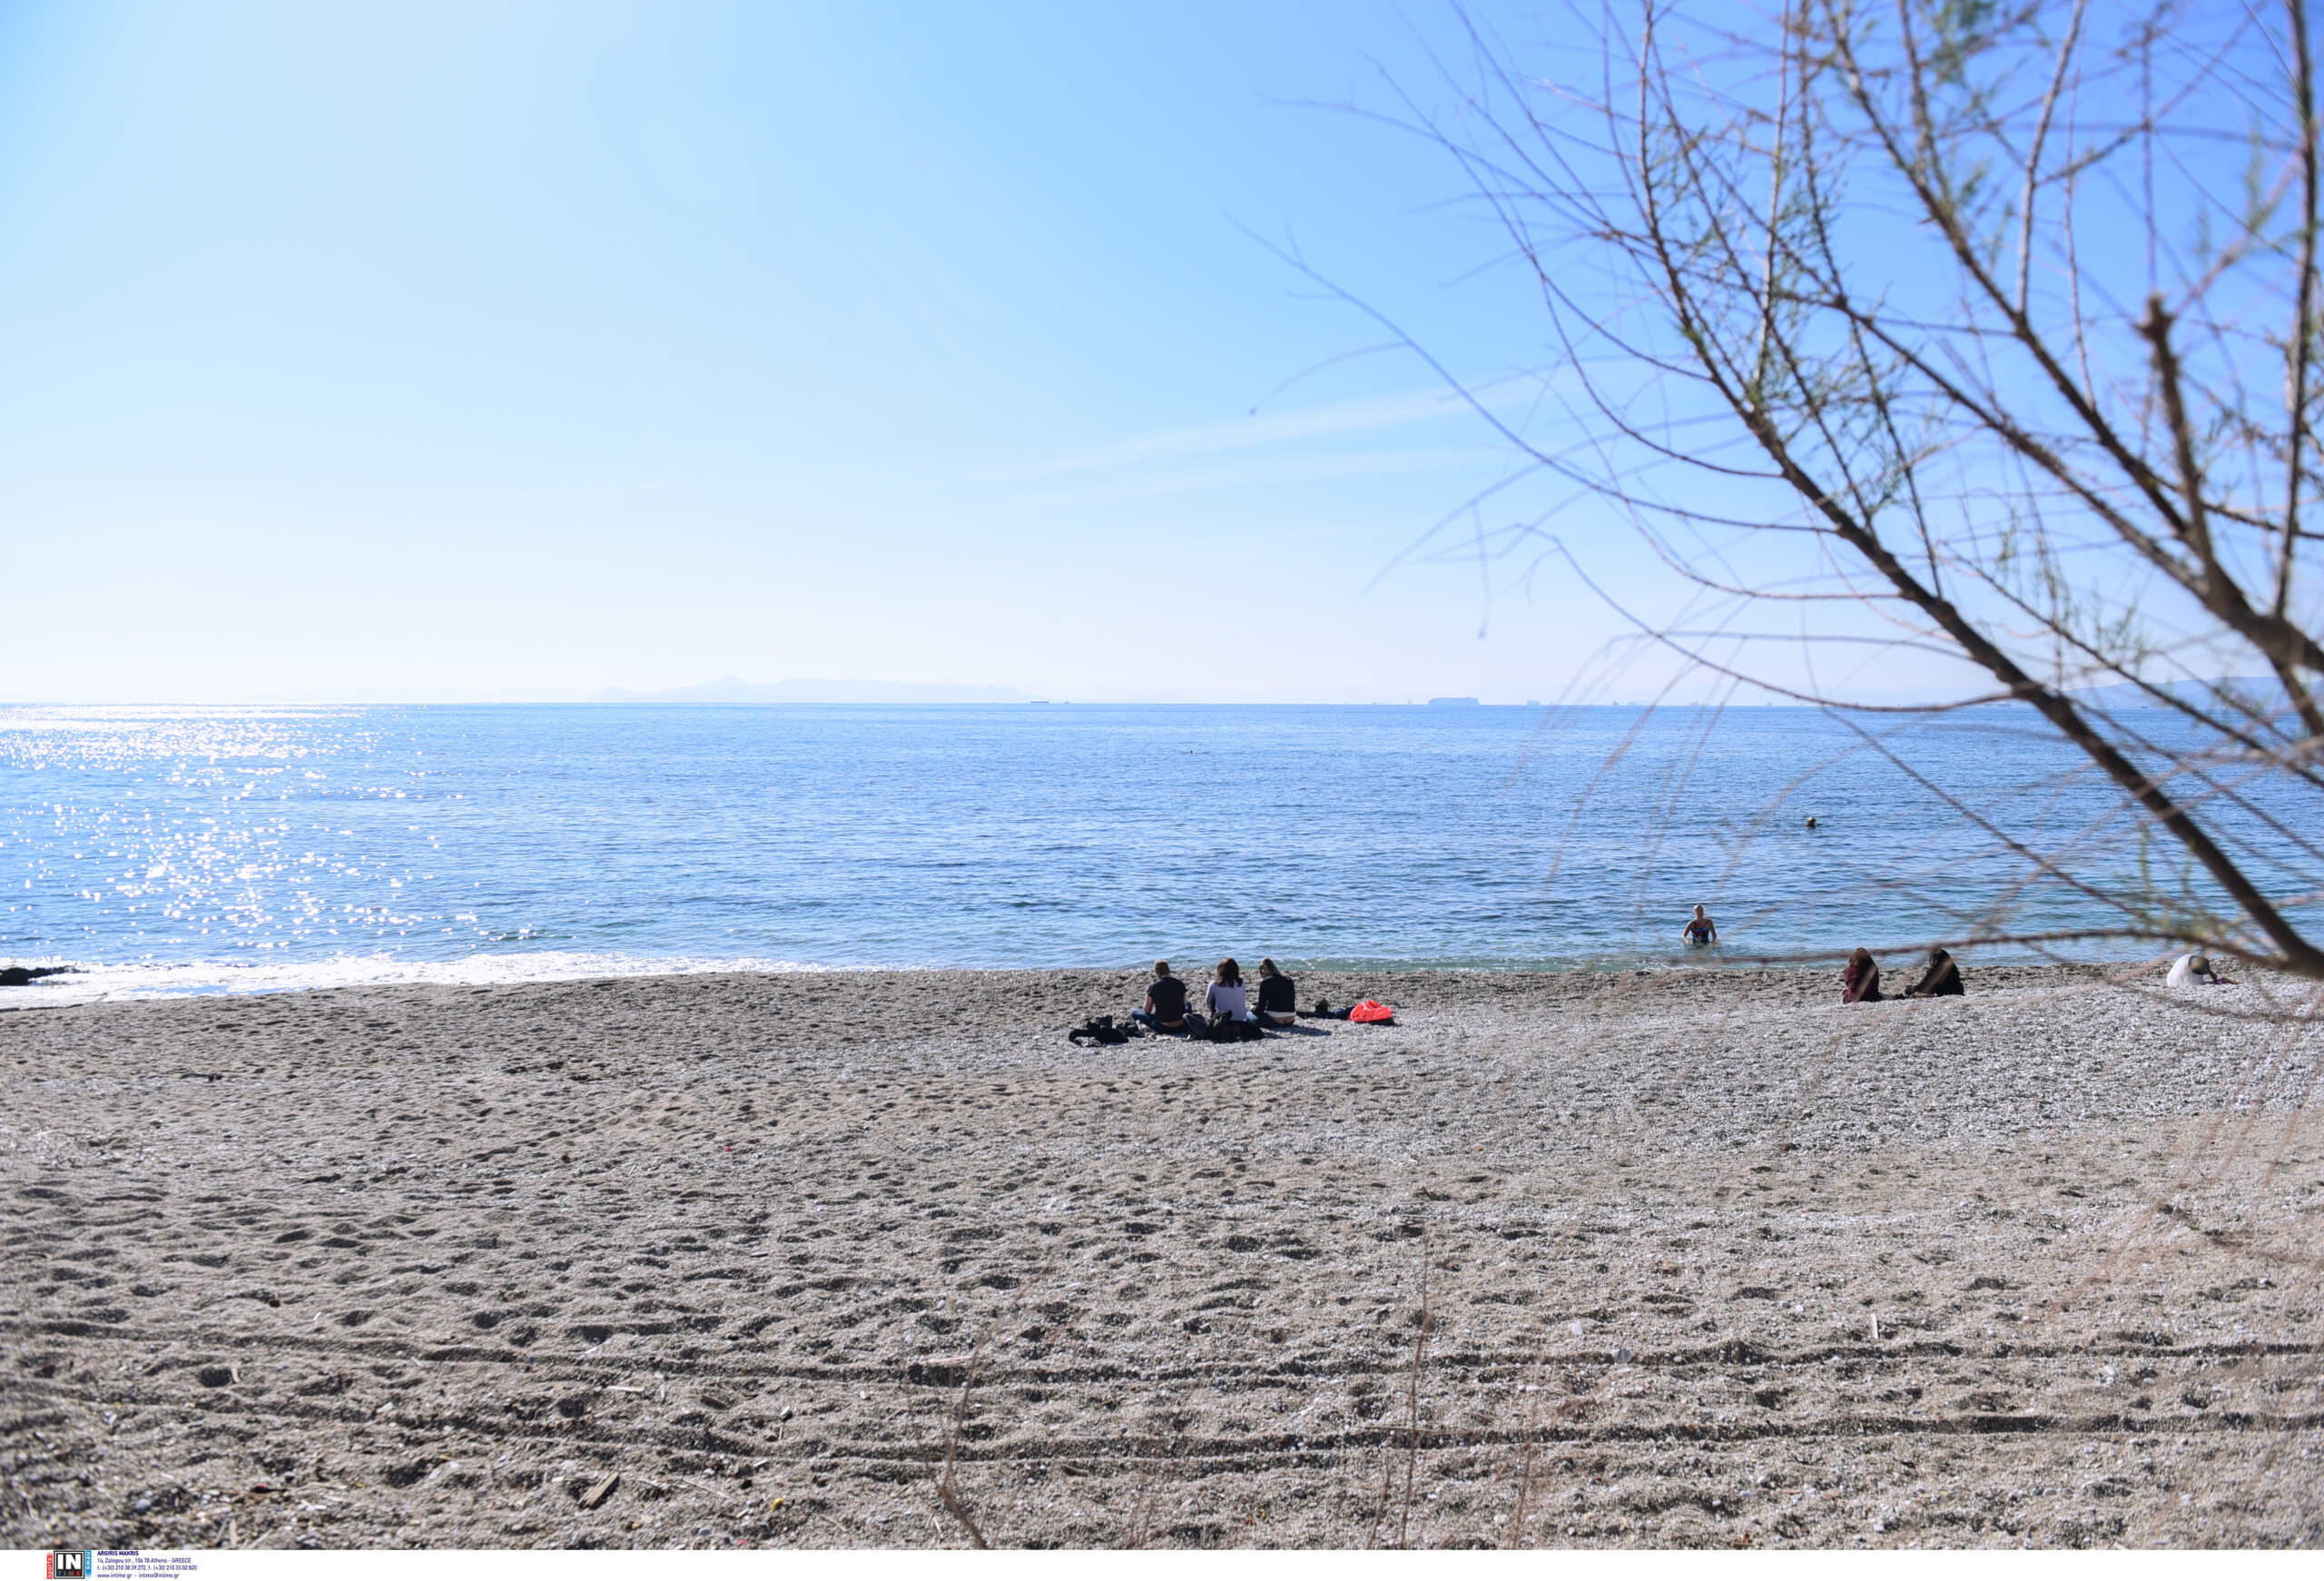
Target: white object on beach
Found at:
2189, 969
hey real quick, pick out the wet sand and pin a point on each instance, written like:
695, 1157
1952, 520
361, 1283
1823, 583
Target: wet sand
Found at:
879, 1259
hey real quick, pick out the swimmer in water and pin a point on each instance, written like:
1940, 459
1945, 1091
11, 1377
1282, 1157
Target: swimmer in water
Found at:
1700, 929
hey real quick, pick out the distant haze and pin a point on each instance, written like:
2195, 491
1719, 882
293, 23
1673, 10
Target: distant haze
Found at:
2262, 692
732, 690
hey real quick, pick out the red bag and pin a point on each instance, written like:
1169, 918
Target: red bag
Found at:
1371, 1009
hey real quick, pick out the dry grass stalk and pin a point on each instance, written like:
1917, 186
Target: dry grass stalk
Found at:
1412, 1401
947, 1488
1425, 1321
1149, 1491
1529, 1441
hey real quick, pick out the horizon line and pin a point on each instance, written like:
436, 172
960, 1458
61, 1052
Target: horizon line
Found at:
1442, 704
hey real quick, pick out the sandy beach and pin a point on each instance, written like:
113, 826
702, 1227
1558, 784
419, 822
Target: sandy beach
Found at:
879, 1259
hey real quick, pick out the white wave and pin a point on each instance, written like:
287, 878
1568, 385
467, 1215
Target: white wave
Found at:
157, 979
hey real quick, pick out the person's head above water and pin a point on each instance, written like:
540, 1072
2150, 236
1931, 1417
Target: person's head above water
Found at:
1266, 967
1699, 910
1161, 968
1230, 974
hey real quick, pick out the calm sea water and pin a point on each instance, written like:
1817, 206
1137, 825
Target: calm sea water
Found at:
199, 849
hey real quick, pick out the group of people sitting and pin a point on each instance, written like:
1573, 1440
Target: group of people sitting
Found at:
1226, 1004
1860, 982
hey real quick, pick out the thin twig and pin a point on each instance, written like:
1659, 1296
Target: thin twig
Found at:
945, 1487
1411, 1400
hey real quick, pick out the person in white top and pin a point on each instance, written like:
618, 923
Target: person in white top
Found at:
2195, 969
1227, 1000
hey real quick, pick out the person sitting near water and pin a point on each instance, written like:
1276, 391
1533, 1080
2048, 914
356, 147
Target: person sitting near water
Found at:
1942, 978
2195, 971
1700, 929
1860, 984
1278, 995
1227, 1000
1166, 1002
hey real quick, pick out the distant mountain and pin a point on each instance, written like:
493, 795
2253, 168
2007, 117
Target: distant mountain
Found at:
2263, 690
730, 690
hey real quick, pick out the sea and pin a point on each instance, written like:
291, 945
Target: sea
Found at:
199, 850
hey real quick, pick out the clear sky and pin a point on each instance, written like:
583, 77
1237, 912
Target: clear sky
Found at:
512, 350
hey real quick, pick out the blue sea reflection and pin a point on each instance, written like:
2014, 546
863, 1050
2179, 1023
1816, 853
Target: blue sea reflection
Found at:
191, 848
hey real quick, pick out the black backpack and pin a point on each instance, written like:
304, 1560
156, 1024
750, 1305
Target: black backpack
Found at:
1100, 1029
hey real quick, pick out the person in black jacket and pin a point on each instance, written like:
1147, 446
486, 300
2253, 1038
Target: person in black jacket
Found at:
1278, 996
1166, 1002
1942, 978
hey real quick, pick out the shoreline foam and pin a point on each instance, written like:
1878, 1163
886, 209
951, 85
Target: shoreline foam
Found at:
91, 981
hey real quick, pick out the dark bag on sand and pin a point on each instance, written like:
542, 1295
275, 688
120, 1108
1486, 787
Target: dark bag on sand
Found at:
1100, 1029
1228, 1030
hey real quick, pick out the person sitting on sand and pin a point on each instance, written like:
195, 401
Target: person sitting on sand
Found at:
1227, 1000
1278, 995
1166, 1002
1700, 929
2194, 970
1860, 984
1942, 978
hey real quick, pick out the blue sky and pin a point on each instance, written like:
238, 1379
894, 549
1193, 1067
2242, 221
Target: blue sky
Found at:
523, 349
